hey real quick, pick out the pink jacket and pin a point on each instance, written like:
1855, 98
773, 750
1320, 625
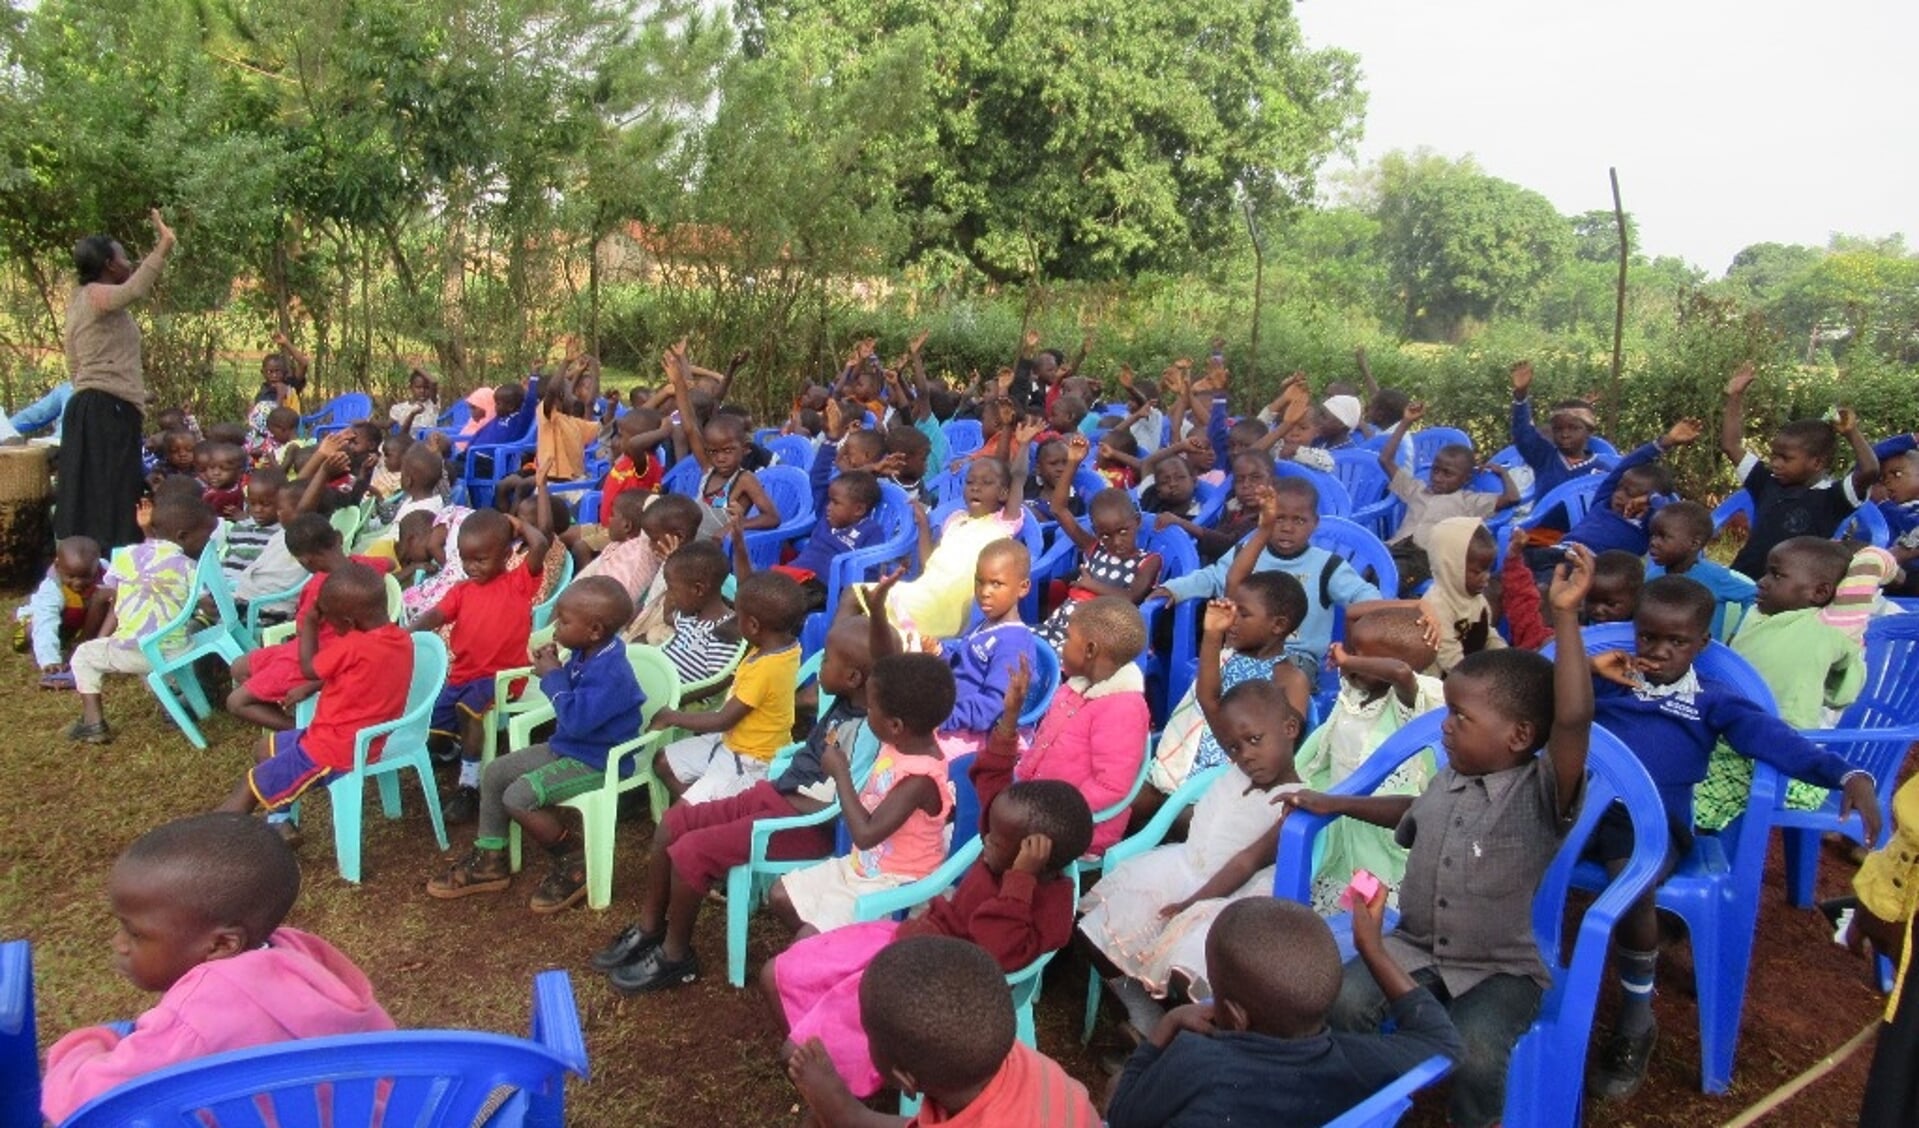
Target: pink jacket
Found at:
1093, 737
299, 986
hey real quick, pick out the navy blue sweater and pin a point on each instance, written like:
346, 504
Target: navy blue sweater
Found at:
596, 705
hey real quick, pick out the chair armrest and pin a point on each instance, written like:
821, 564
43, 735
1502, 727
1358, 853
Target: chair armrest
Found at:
556, 1020
618, 754
876, 906
520, 728
255, 604
763, 830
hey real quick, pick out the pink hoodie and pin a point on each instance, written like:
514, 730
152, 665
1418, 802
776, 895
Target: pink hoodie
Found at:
1093, 737
299, 986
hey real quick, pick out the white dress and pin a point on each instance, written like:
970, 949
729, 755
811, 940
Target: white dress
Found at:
1122, 911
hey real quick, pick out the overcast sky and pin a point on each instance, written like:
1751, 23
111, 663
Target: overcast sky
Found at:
1730, 122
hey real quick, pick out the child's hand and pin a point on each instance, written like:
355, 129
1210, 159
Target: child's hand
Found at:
1035, 850
542, 473
1076, 448
1572, 579
1030, 340
1004, 412
1196, 1018
1312, 802
1018, 682
1003, 380
143, 515
1125, 377
1415, 411
1336, 655
666, 544
1165, 521
1846, 421
1369, 919
876, 595
1684, 433
1431, 627
740, 356
300, 692
1619, 667
1169, 911
1742, 377
833, 759
1165, 593
929, 644
1858, 795
1522, 378
914, 346
833, 418
1219, 616
546, 659
889, 466
1268, 505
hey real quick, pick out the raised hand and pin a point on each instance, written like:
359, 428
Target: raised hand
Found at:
1125, 376
1019, 681
914, 346
1076, 448
1742, 378
160, 228
929, 644
1415, 411
1846, 421
1522, 375
1035, 850
1572, 579
1003, 380
740, 356
1268, 505
1684, 433
1030, 340
887, 580
1218, 617
1336, 655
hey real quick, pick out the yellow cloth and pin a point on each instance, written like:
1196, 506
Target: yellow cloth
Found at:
937, 603
561, 446
764, 683
1887, 883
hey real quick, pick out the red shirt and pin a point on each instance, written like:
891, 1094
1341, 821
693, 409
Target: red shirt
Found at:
310, 594
624, 476
491, 622
364, 677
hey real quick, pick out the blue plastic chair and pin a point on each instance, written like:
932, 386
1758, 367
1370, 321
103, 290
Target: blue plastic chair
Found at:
1368, 555
1573, 499
1873, 733
425, 1078
1426, 445
1374, 506
405, 750
338, 413
963, 437
450, 423
1546, 1077
1384, 1108
683, 477
900, 538
19, 1060
791, 450
1867, 524
173, 648
1715, 888
1737, 504
1212, 498
505, 460
792, 494
1178, 556
1333, 498
1029, 535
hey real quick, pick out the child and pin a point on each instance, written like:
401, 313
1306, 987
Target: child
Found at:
422, 471
596, 705
669, 524
896, 821
1171, 496
940, 1020
1260, 1052
1287, 513
1428, 503
1382, 685
910, 446
1791, 494
491, 613
223, 490
847, 523
629, 558
362, 678
985, 656
1462, 552
563, 432
1148, 915
1680, 533
1015, 902
177, 457
1617, 577
638, 468
385, 482
1052, 467
706, 633
1094, 733
697, 843
1112, 561
1630, 493
1809, 664
1887, 886
147, 585
279, 429
1248, 646
1502, 707
719, 444
276, 569
200, 903
1566, 455
420, 408
1660, 707
57, 612
248, 537
757, 717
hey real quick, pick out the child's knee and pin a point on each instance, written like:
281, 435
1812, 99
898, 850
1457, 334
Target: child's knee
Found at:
242, 668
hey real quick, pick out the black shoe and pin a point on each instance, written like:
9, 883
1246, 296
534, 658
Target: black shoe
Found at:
1621, 1067
626, 948
654, 972
463, 807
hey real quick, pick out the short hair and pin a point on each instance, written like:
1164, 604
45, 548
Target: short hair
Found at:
1287, 999
267, 477
1056, 809
1389, 400
174, 436
1072, 404
727, 423
224, 868
1815, 435
78, 547
1263, 694
1454, 450
1113, 502
630, 504
904, 438
1280, 593
361, 587
486, 524
774, 598
1574, 404
1694, 518
1115, 624
674, 513
370, 431
1397, 627
602, 598
1009, 549
916, 688
1656, 477
226, 450
938, 1008
1120, 439
1247, 430
1829, 558
310, 532
1618, 564
862, 488
1683, 594
1301, 488
176, 511
992, 463
1519, 684
234, 433
867, 444
701, 562
91, 256
283, 417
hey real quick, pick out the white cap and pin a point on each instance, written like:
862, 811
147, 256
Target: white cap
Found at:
1343, 408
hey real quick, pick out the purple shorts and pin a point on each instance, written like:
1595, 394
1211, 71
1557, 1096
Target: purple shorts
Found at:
279, 780
475, 698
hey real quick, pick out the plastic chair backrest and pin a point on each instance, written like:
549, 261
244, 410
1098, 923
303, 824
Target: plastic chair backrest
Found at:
1739, 503
1427, 444
683, 477
1360, 548
1333, 499
1867, 524
963, 437
1039, 692
791, 450
19, 1060
1575, 498
1889, 699
1212, 498
789, 490
1358, 471
1384, 1108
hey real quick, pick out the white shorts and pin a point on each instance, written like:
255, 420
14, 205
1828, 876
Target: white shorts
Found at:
823, 895
710, 769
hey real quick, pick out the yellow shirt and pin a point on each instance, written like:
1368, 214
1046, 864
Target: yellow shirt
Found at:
1888, 880
561, 445
764, 683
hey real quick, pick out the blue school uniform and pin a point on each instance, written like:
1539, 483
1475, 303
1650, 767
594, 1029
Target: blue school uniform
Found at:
1329, 582
827, 542
983, 659
596, 705
1550, 468
1603, 528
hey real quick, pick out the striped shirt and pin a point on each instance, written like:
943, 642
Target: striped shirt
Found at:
246, 539
701, 649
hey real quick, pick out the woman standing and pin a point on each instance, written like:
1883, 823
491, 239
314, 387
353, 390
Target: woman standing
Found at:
100, 478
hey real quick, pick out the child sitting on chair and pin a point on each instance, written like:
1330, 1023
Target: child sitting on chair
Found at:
1680, 533
985, 656
147, 585
596, 707
706, 632
57, 611
200, 903
1259, 1051
941, 1022
364, 670
846, 524
1443, 496
1016, 902
1111, 559
629, 558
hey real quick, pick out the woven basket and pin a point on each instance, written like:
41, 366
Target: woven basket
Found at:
25, 474
26, 513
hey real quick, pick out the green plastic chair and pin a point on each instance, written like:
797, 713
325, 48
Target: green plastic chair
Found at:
176, 645
280, 632
347, 521
599, 810
405, 750
506, 704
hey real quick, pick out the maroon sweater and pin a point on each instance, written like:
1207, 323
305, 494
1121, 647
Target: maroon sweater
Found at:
1014, 916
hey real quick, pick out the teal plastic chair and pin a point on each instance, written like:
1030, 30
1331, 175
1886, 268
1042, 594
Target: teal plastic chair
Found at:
1149, 836
405, 750
175, 662
288, 600
280, 632
1094, 864
600, 809
543, 612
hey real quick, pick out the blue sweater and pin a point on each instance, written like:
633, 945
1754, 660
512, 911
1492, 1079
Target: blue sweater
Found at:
1315, 634
1603, 528
983, 659
1550, 468
816, 556
505, 429
596, 705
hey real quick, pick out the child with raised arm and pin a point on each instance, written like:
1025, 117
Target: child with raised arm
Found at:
58, 610
200, 904
1507, 807
491, 613
1563, 455
1111, 560
1442, 496
897, 819
1791, 492
719, 444
1260, 1050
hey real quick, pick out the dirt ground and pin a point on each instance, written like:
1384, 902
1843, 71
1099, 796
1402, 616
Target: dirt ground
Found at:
704, 1055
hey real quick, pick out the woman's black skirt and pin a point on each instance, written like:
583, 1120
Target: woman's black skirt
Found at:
100, 478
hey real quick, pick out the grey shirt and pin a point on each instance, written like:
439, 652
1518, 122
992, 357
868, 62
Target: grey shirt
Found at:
1478, 847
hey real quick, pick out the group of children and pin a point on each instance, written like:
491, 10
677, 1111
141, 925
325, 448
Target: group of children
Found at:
925, 704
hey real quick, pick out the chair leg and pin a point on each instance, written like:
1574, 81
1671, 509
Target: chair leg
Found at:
739, 909
1721, 957
389, 785
1093, 988
1801, 848
514, 847
349, 797
1023, 1016
189, 683
597, 817
157, 682
424, 767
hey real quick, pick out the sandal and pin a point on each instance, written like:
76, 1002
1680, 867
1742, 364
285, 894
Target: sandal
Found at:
481, 871
59, 679
80, 732
564, 887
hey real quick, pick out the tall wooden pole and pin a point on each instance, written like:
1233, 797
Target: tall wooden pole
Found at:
1619, 302
1259, 287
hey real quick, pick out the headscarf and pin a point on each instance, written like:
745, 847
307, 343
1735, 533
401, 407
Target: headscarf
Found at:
1465, 621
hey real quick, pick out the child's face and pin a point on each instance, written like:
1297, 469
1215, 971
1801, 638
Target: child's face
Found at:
180, 454
1054, 463
418, 388
1673, 543
1255, 627
1633, 495
78, 572
273, 369
1064, 415
1117, 529
841, 510
281, 432
576, 628
1569, 435
223, 470
1900, 476
1006, 828
360, 445
392, 454
723, 448
483, 555
986, 489
1259, 742
1611, 599
999, 583
1249, 475
1791, 583
913, 464
1173, 481
843, 669
1199, 461
1666, 640
1480, 556
1793, 464
1450, 473
263, 503
684, 593
1478, 737
1293, 526
158, 940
